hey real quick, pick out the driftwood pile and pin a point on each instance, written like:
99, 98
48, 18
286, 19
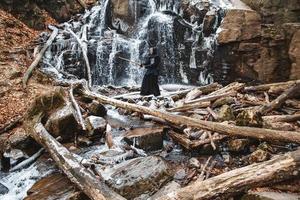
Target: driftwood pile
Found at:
195, 117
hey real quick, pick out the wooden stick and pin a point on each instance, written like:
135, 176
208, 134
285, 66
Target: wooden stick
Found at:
266, 87
28, 161
279, 168
258, 133
279, 100
212, 97
76, 172
83, 45
76, 107
282, 118
39, 55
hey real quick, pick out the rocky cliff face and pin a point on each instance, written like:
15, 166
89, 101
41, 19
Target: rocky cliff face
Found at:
262, 44
34, 13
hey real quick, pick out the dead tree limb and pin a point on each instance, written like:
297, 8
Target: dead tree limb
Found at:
39, 55
282, 118
76, 107
83, 45
212, 97
277, 169
76, 172
266, 87
84, 179
279, 100
232, 130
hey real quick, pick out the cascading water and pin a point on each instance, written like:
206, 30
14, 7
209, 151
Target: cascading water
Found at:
185, 44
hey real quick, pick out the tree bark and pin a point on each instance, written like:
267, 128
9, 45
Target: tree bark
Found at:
282, 118
258, 133
279, 100
266, 87
39, 55
223, 186
76, 172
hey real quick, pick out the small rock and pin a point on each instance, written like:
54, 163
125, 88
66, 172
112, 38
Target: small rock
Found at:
226, 113
194, 163
95, 125
249, 118
84, 141
62, 123
148, 139
3, 189
227, 158
238, 145
97, 109
259, 156
180, 174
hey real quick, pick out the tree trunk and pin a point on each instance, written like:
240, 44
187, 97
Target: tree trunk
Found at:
39, 55
76, 172
279, 168
258, 133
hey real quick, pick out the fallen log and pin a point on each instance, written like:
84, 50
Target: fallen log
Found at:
39, 55
77, 108
189, 107
83, 178
279, 100
83, 45
212, 97
279, 168
266, 87
76, 172
258, 133
282, 118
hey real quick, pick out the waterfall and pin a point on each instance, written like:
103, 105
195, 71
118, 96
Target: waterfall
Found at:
185, 46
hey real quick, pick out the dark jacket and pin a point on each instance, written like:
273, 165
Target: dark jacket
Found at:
151, 64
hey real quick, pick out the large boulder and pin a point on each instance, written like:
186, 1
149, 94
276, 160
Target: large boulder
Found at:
239, 25
63, 122
138, 176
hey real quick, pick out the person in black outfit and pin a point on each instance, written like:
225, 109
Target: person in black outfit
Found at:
150, 80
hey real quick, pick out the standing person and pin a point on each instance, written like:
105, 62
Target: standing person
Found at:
150, 80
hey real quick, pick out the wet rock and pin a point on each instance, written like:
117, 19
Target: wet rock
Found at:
95, 125
138, 176
226, 113
227, 158
194, 163
239, 25
54, 186
3, 189
180, 174
112, 157
259, 156
238, 145
209, 22
172, 186
148, 139
62, 123
97, 109
270, 196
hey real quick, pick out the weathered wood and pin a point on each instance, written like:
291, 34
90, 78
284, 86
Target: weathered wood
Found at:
279, 168
77, 108
258, 133
266, 87
212, 97
83, 45
66, 161
189, 107
192, 144
76, 172
39, 55
279, 100
282, 118
28, 161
